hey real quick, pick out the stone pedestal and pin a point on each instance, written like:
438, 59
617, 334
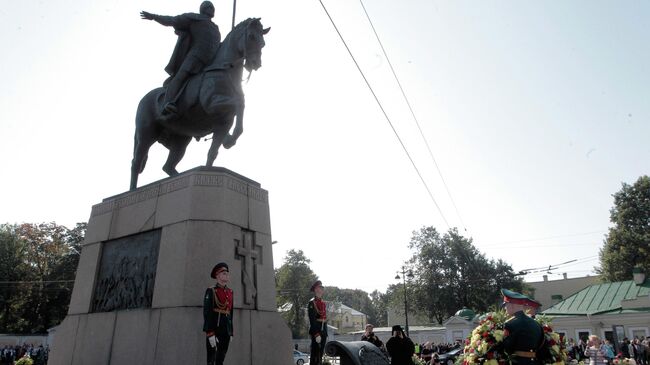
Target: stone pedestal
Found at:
145, 265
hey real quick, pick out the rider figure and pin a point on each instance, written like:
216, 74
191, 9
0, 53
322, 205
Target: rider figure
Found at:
198, 41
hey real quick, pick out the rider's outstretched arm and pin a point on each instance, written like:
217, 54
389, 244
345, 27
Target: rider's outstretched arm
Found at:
179, 21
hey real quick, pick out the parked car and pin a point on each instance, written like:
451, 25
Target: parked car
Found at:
300, 358
449, 358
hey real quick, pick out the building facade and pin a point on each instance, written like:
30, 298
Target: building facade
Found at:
609, 310
550, 292
347, 319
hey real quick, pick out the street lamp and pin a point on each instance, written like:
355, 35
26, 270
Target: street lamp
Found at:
405, 275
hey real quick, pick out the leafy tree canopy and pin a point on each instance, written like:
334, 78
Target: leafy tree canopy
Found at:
37, 266
293, 280
627, 244
450, 273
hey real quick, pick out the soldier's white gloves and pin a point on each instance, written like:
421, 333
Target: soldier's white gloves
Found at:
213, 341
318, 339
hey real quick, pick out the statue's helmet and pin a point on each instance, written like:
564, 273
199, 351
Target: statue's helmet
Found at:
207, 9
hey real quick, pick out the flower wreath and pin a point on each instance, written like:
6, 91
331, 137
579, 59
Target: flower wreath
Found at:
480, 344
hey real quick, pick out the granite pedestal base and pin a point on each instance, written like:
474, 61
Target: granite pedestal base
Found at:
127, 310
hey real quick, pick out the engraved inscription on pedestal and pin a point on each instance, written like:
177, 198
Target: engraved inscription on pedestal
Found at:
250, 255
127, 272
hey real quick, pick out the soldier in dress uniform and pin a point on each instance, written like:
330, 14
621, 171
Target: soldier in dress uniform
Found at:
217, 315
523, 336
317, 311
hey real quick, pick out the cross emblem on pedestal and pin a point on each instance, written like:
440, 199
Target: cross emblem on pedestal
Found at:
250, 256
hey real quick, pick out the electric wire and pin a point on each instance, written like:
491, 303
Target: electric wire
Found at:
559, 266
385, 114
417, 123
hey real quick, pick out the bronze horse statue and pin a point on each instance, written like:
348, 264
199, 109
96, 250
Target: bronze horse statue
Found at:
209, 103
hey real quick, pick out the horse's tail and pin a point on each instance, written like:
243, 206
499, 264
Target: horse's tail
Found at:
145, 133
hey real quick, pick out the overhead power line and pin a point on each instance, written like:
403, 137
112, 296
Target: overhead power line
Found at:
561, 266
385, 114
417, 123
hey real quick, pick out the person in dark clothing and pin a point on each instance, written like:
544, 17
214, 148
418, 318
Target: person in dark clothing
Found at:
317, 312
400, 348
217, 315
625, 348
523, 336
427, 352
197, 45
370, 336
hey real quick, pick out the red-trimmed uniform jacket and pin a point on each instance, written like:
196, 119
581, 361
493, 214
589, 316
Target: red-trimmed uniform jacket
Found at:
218, 311
317, 311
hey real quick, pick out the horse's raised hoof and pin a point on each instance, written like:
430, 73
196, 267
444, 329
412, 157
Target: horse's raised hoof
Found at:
228, 142
170, 172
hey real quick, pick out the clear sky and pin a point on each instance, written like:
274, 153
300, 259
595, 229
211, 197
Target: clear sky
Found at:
535, 111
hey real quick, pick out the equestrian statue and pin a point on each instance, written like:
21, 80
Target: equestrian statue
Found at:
203, 93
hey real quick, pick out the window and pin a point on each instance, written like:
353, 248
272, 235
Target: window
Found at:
608, 335
457, 335
637, 332
583, 334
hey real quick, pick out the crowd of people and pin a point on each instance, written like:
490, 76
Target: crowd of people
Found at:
401, 349
9, 355
598, 352
590, 351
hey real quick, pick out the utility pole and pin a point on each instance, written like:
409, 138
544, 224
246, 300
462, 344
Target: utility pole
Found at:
234, 9
405, 274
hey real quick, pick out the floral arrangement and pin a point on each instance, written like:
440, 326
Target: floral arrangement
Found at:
620, 360
25, 361
417, 361
554, 343
480, 345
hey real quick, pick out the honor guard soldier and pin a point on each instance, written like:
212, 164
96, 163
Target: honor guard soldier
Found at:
523, 336
317, 311
217, 315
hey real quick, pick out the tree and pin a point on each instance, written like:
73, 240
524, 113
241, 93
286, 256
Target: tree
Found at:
293, 280
353, 298
627, 244
12, 271
39, 263
379, 302
450, 273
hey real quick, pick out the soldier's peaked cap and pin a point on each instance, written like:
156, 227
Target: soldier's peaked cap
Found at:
222, 266
513, 297
315, 285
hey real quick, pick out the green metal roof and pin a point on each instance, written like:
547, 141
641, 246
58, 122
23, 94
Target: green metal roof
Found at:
466, 313
600, 298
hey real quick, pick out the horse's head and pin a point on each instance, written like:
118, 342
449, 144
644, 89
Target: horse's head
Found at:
242, 46
251, 43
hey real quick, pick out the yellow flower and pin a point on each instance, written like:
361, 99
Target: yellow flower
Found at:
491, 362
498, 335
555, 336
555, 348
